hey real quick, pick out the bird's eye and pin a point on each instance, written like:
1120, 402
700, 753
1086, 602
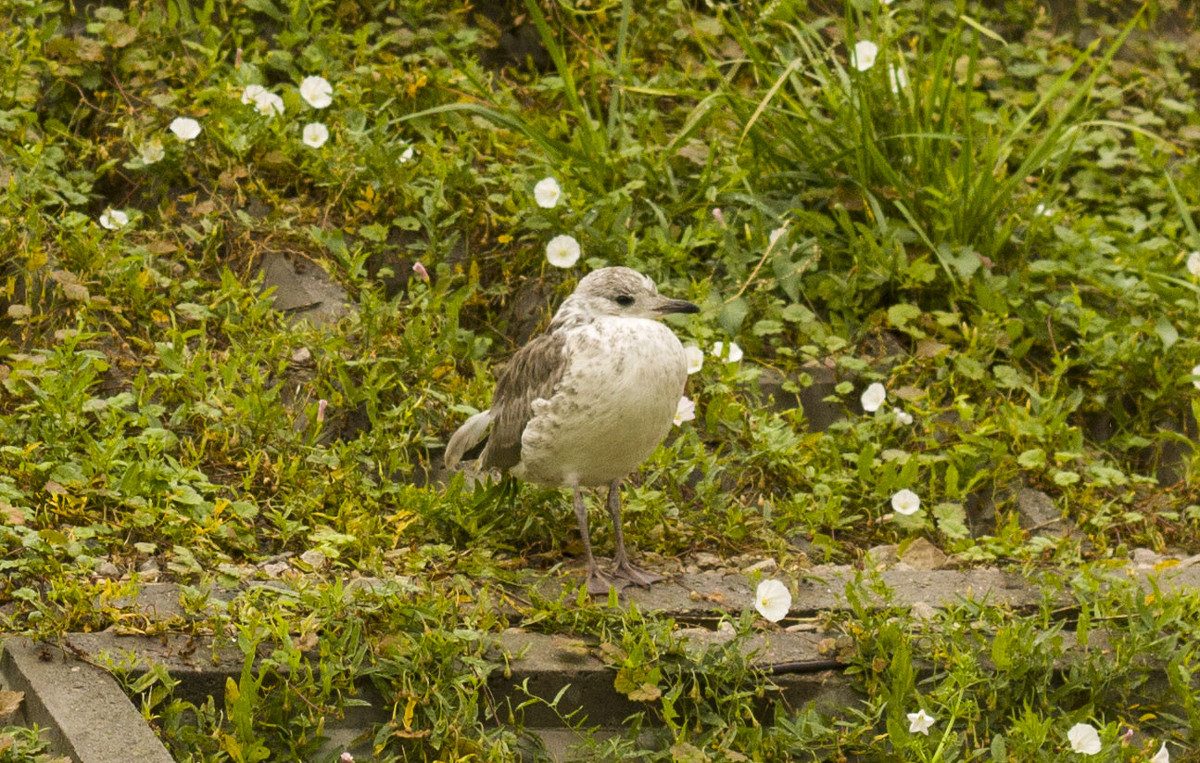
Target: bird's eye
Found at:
624, 300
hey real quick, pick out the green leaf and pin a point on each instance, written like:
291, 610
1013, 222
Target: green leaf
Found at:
1008, 377
951, 520
733, 314
1034, 458
1166, 332
968, 367
1062, 479
901, 314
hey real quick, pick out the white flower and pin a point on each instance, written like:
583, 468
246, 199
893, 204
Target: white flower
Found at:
1043, 210
407, 155
903, 416
772, 600
185, 128
1196, 373
685, 410
315, 134
695, 358
1193, 264
1162, 756
317, 91
905, 502
864, 55
250, 93
1084, 739
546, 193
562, 251
113, 219
873, 397
735, 352
264, 100
920, 722
898, 77
152, 151
268, 103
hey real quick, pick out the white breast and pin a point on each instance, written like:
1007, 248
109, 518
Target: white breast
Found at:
615, 404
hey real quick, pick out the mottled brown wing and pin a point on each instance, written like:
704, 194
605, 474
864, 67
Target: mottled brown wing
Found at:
533, 372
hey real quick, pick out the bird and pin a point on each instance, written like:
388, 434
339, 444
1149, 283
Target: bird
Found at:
586, 402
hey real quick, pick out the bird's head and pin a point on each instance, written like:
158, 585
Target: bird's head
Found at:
621, 292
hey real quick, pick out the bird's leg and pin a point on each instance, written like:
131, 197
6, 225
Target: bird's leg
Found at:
597, 582
625, 570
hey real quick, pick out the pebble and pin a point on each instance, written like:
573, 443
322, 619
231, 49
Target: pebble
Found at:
766, 565
315, 559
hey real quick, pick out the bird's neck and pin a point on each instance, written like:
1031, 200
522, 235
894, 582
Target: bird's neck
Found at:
570, 316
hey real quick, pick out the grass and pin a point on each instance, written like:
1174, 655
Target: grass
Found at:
1001, 241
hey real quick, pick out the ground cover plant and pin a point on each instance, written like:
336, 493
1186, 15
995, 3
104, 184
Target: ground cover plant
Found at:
963, 234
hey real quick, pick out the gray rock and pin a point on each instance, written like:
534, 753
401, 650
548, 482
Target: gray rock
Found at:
923, 555
303, 290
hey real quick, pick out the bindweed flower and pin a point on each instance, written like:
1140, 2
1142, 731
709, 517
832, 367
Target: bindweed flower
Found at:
873, 397
407, 155
735, 352
1193, 264
152, 151
317, 91
903, 417
322, 404
719, 216
1196, 373
314, 135
695, 358
269, 104
1084, 739
920, 722
111, 219
1162, 756
546, 193
346, 757
897, 77
905, 502
562, 251
421, 272
864, 54
185, 128
685, 411
250, 93
263, 100
772, 600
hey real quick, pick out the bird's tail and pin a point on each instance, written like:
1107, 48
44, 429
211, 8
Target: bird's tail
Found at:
470, 434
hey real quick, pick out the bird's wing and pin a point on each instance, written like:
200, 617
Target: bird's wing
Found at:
534, 372
467, 436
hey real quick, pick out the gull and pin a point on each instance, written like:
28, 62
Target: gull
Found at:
585, 403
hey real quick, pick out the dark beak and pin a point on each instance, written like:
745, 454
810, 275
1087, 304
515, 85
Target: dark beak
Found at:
668, 306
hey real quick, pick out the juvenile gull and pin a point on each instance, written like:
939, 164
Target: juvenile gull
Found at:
587, 402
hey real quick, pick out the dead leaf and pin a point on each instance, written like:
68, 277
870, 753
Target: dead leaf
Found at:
10, 702
10, 514
645, 693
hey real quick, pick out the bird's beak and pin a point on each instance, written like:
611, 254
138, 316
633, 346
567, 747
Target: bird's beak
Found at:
668, 306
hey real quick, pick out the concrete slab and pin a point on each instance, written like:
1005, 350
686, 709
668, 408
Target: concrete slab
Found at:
86, 715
